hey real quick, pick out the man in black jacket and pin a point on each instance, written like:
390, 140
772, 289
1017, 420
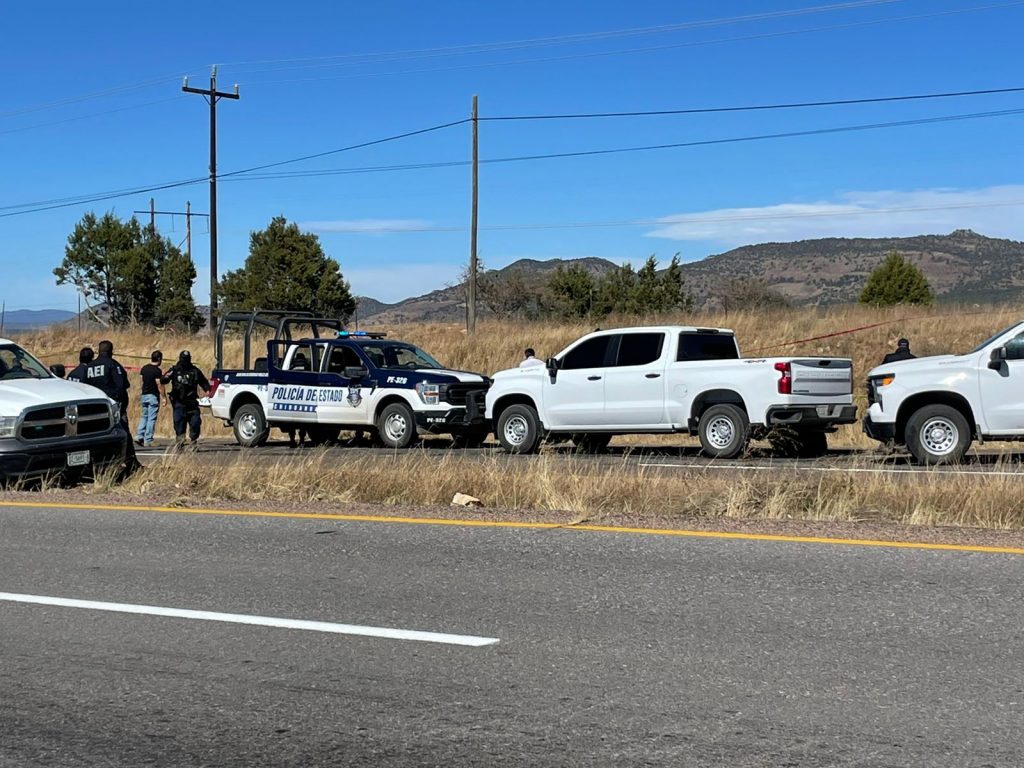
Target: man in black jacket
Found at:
184, 378
108, 375
902, 353
85, 356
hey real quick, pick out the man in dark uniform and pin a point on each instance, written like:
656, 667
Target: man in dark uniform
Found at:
85, 357
902, 353
108, 375
184, 378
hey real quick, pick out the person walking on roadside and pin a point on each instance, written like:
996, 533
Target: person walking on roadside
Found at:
902, 352
85, 356
530, 359
184, 379
106, 374
152, 394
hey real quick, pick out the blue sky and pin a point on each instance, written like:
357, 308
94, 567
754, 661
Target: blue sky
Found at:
311, 80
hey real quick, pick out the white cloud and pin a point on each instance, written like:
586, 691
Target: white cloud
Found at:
365, 226
992, 211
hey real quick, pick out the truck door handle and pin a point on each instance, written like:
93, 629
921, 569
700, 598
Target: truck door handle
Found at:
593, 378
652, 375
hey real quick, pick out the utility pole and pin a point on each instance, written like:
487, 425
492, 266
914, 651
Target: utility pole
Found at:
187, 213
471, 286
212, 96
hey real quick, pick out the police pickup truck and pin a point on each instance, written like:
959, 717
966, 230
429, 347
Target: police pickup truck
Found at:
321, 378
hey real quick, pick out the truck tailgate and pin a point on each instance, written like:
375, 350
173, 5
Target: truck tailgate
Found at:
822, 377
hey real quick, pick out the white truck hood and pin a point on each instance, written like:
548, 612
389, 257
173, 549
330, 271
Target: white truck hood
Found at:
18, 394
508, 373
463, 376
917, 365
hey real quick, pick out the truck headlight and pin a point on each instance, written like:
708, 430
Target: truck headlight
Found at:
8, 424
430, 394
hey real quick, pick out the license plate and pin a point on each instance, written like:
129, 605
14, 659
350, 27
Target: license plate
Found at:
78, 459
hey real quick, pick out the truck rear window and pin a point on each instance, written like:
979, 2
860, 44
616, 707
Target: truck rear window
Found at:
707, 346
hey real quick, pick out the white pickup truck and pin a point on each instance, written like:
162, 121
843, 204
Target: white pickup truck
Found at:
670, 379
52, 427
936, 406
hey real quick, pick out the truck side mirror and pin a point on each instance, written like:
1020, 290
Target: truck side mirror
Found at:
997, 358
356, 372
552, 364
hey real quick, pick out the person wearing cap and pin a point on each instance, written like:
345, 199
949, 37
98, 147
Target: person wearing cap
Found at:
902, 352
185, 379
152, 393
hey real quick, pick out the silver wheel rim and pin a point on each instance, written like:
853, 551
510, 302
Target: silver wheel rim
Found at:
939, 436
720, 432
248, 428
395, 427
516, 429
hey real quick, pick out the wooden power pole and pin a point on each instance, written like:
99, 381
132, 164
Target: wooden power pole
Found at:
212, 96
471, 282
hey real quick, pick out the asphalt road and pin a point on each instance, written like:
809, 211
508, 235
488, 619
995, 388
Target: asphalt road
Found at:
658, 458
612, 649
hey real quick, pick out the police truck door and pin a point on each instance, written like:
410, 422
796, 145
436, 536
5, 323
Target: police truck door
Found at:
343, 401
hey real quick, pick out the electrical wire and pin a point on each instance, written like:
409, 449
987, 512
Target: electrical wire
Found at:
89, 116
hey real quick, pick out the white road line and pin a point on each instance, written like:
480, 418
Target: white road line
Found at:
262, 621
869, 470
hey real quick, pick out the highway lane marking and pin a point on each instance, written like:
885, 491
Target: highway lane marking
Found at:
682, 532
387, 633
871, 470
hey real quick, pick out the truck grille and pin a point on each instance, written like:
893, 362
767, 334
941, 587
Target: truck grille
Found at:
61, 421
469, 396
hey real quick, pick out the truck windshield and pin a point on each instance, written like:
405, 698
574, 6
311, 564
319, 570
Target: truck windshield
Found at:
391, 354
16, 363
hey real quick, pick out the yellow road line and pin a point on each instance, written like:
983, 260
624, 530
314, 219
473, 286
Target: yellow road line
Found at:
524, 525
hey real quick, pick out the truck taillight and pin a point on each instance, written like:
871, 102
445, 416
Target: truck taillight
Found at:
786, 379
214, 383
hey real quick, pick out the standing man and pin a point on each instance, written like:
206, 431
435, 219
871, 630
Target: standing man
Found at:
106, 374
85, 356
184, 378
902, 353
152, 394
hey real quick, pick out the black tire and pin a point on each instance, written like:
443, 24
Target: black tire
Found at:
937, 434
518, 429
590, 442
323, 434
250, 426
791, 443
396, 427
724, 431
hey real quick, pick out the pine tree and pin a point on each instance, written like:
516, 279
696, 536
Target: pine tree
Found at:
288, 269
896, 281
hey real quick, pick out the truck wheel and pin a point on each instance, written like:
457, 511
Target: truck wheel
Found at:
250, 425
724, 431
590, 442
519, 429
396, 427
937, 434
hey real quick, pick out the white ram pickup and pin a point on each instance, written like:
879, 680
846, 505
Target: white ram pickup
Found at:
936, 406
671, 379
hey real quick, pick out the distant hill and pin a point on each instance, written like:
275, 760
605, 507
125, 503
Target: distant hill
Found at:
961, 266
30, 319
449, 304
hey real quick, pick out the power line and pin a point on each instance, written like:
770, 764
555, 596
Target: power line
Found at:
647, 49
758, 107
88, 116
474, 48
87, 96
685, 219
651, 147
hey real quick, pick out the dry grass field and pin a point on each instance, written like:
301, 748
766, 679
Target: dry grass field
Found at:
570, 485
